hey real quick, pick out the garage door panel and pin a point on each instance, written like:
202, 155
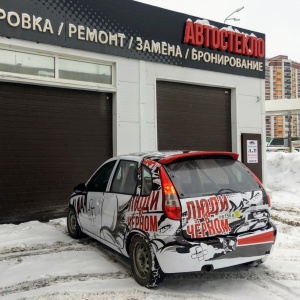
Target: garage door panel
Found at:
26, 191
33, 90
49, 132
62, 154
37, 202
62, 138
67, 181
52, 139
36, 177
193, 117
24, 103
61, 116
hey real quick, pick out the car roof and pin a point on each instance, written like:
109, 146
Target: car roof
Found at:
167, 157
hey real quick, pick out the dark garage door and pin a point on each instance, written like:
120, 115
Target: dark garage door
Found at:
51, 139
191, 117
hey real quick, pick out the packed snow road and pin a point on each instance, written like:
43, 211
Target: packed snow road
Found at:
40, 261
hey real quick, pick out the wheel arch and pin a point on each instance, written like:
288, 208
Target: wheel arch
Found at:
131, 235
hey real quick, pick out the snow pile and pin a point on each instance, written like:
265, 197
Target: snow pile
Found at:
283, 171
28, 233
283, 178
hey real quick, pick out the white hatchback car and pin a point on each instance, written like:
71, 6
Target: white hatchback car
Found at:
179, 211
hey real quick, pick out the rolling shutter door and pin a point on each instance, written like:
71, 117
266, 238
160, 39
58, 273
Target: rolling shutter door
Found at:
191, 117
51, 140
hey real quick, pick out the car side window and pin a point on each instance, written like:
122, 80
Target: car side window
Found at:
100, 180
146, 182
125, 178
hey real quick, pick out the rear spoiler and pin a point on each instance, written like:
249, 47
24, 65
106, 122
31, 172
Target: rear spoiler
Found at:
196, 154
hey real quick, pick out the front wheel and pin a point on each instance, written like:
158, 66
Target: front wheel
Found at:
144, 265
72, 224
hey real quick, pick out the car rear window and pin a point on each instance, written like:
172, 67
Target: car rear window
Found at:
210, 176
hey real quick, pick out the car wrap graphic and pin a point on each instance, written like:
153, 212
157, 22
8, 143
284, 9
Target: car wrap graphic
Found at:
212, 228
112, 233
142, 213
204, 217
223, 214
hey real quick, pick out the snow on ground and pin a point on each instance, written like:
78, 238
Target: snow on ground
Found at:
283, 178
40, 261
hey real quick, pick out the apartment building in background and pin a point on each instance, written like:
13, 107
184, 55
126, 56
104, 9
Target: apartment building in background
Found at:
282, 82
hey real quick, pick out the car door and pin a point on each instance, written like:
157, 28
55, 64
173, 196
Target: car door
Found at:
96, 190
115, 203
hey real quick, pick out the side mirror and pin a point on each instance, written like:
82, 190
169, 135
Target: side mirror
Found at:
80, 188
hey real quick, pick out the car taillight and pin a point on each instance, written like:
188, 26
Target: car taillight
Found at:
171, 203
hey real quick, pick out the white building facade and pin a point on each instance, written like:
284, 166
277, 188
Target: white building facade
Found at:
84, 81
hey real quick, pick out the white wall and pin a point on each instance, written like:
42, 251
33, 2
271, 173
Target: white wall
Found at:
247, 99
248, 114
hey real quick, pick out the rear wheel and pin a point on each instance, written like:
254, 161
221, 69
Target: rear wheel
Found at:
72, 224
144, 265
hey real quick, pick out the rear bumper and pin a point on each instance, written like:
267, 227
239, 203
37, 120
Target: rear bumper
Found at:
216, 253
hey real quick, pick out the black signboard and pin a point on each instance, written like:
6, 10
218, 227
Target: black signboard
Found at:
134, 30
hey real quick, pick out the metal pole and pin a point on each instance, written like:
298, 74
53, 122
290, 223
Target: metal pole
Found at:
290, 133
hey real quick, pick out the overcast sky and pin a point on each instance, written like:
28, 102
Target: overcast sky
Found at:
279, 20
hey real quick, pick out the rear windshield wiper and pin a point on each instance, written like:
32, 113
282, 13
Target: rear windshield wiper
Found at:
226, 190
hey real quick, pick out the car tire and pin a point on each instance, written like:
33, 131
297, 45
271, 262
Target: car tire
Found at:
74, 229
144, 265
